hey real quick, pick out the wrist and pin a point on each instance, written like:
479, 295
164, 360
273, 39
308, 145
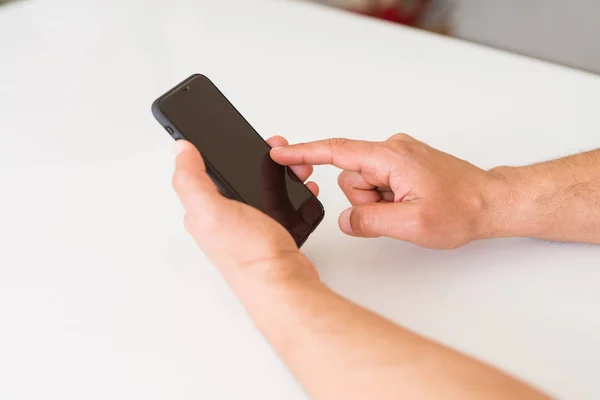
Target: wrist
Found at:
500, 194
271, 273
272, 290
554, 200
495, 202
515, 212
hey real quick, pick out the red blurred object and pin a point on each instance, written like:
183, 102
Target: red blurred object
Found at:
403, 14
406, 12
432, 15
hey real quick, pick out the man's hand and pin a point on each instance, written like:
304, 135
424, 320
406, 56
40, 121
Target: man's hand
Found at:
233, 234
404, 189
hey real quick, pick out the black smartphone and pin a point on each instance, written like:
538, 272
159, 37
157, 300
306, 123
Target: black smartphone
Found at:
237, 158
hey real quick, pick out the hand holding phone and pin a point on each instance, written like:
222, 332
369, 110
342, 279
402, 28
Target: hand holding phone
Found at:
233, 235
237, 159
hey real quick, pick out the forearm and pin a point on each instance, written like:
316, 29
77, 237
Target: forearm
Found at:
338, 350
555, 200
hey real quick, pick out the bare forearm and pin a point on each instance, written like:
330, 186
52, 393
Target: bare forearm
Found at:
555, 200
339, 350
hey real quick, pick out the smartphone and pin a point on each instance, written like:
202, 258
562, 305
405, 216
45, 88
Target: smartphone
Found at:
237, 158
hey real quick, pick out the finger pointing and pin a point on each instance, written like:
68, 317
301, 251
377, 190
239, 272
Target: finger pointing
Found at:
302, 171
351, 155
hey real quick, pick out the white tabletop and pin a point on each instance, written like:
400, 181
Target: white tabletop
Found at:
102, 293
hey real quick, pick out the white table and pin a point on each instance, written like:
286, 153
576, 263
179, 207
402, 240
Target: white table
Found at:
103, 295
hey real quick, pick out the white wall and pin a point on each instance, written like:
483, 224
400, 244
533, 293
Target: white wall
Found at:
565, 31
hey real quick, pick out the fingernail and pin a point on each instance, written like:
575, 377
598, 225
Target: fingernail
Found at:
277, 148
178, 147
344, 221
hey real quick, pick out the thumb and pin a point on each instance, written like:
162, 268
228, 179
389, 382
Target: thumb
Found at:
396, 220
190, 180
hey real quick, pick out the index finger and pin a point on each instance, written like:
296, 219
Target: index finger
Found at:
347, 154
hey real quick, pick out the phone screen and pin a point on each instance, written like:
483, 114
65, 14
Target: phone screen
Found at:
201, 114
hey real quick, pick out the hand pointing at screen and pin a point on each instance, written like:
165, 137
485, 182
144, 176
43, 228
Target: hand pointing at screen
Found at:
404, 189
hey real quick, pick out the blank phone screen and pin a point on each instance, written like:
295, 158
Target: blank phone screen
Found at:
239, 156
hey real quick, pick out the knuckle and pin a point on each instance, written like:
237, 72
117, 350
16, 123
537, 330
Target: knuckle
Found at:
339, 145
402, 143
397, 145
406, 149
401, 137
338, 142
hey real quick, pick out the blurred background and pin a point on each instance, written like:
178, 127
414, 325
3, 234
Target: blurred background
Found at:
561, 31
